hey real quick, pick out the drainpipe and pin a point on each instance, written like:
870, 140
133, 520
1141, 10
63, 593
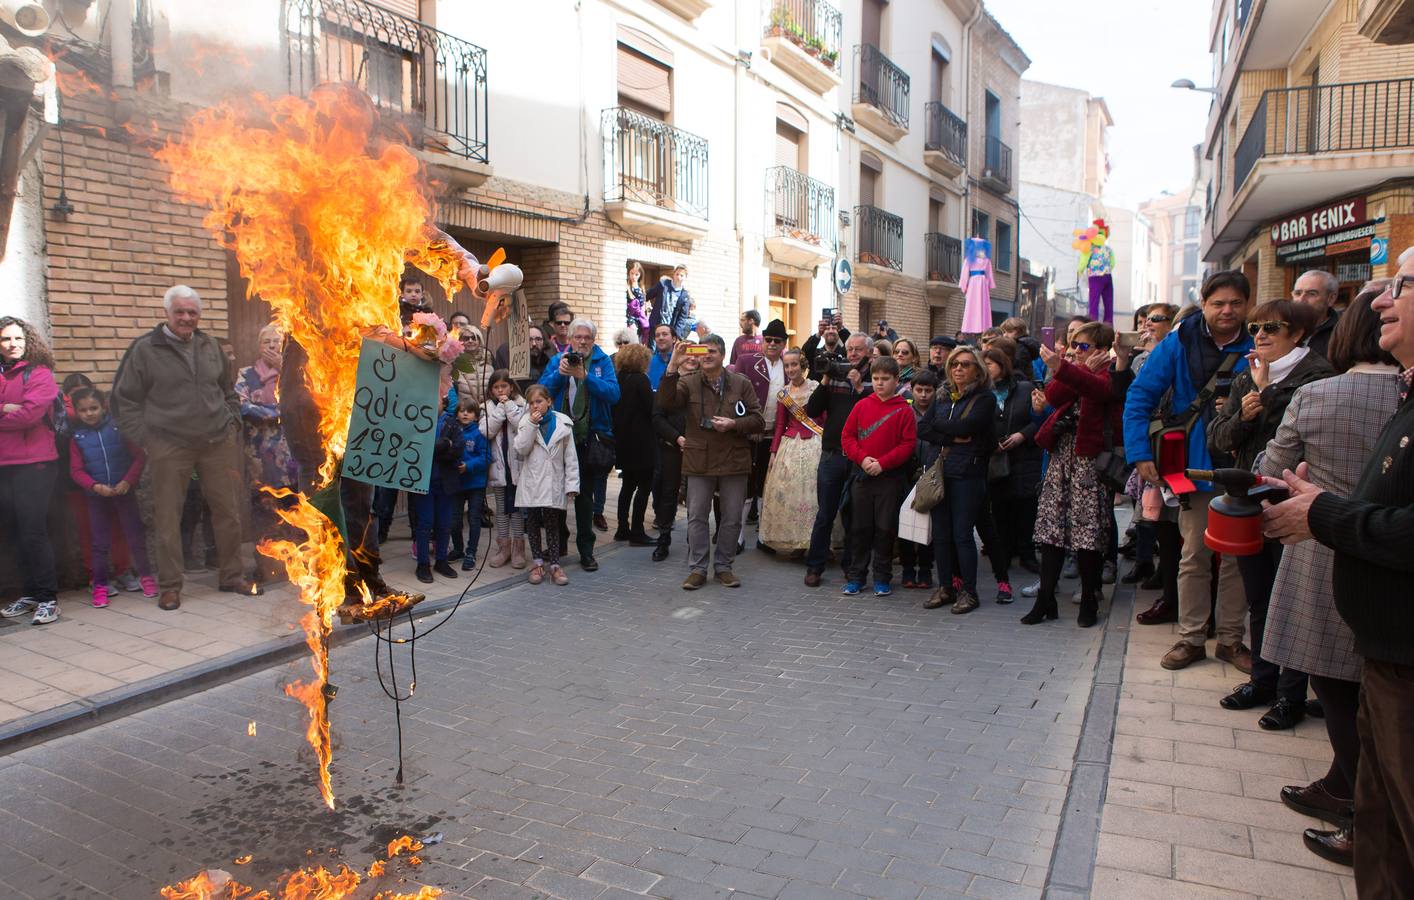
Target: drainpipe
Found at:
967, 104
120, 41
739, 67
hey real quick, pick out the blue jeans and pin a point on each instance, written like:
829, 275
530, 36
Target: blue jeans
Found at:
831, 484
434, 518
466, 521
953, 522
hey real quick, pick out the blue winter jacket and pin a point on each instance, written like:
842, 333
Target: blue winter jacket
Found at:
476, 456
105, 454
602, 383
1177, 364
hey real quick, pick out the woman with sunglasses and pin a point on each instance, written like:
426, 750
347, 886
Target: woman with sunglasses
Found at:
1075, 508
1243, 425
961, 422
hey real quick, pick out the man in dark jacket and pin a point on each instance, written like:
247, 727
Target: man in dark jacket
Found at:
174, 396
1318, 289
835, 398
830, 336
1371, 533
722, 413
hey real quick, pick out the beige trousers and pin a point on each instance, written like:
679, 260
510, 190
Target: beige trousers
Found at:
1194, 581
220, 468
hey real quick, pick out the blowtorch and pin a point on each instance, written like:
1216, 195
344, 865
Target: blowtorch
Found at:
1235, 518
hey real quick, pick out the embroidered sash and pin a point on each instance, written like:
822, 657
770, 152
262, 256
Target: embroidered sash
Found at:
797, 409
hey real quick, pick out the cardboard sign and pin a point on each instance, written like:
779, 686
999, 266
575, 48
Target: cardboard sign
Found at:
394, 420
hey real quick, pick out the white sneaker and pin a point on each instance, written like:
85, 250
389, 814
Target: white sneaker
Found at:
21, 607
47, 612
1031, 590
128, 582
1075, 597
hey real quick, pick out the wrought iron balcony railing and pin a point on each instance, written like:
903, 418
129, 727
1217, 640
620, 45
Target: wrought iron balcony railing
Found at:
801, 207
997, 163
427, 81
881, 84
1327, 118
812, 25
648, 161
946, 133
880, 237
944, 257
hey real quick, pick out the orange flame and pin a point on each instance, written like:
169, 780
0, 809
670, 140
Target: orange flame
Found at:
406, 842
321, 216
75, 83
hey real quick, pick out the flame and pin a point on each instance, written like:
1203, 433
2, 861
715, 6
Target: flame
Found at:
250, 729
406, 842
314, 883
376, 869
75, 83
322, 216
242, 860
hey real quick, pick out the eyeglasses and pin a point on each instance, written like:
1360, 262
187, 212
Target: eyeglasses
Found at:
1255, 328
1081, 346
1398, 285
773, 340
622, 343
562, 323
962, 364
1160, 318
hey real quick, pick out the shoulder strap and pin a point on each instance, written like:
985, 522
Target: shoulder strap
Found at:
1206, 394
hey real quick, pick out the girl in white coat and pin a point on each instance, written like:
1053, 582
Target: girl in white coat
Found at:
549, 479
500, 417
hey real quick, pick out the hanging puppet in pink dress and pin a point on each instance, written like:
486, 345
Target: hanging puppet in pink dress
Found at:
977, 283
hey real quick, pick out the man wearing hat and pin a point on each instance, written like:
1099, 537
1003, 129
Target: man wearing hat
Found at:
766, 372
938, 350
882, 332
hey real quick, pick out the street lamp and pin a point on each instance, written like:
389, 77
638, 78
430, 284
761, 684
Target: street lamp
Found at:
1186, 84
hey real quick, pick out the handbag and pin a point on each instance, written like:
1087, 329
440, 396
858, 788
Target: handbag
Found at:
999, 466
1112, 469
928, 493
1174, 429
913, 525
599, 454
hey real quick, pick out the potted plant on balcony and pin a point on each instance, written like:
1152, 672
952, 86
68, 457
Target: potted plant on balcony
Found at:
781, 21
796, 33
829, 57
814, 46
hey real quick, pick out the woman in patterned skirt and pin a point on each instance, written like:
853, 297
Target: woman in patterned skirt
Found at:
788, 501
1073, 511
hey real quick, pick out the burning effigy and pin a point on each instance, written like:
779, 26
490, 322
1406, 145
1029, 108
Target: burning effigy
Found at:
323, 212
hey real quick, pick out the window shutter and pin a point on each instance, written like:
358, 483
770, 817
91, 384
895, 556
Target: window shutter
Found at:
407, 8
787, 146
645, 82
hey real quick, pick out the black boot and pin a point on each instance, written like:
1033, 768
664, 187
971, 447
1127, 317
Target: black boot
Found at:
1089, 611
660, 552
1044, 608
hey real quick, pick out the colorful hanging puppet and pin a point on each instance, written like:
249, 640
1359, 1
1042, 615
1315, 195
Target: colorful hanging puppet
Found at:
1097, 260
977, 283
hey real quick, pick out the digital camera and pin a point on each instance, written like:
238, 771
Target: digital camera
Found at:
574, 358
835, 365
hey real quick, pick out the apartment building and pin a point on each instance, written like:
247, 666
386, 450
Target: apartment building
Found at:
1064, 150
1311, 140
769, 146
1176, 220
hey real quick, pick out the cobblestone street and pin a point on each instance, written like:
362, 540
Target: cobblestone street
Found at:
619, 736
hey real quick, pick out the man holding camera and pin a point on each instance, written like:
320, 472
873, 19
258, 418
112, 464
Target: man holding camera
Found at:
829, 336
1196, 370
722, 415
583, 386
843, 381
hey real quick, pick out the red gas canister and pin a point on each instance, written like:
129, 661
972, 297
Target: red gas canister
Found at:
1235, 518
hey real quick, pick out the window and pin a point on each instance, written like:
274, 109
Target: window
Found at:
1192, 222
783, 305
1002, 249
994, 116
936, 210
1190, 259
981, 223
866, 316
870, 168
938, 73
871, 22
791, 128
645, 73
1176, 265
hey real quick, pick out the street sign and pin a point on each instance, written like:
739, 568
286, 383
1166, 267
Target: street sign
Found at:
844, 276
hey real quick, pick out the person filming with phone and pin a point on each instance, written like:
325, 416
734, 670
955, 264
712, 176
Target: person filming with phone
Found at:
722, 413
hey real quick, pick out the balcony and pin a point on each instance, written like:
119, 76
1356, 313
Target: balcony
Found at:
945, 141
879, 239
655, 176
944, 258
803, 38
688, 9
996, 165
880, 94
800, 230
1387, 21
429, 86
1306, 145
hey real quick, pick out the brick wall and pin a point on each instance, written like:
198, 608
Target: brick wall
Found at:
127, 241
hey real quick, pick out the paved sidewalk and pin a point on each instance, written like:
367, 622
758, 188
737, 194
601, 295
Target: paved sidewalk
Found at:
618, 737
1193, 806
90, 653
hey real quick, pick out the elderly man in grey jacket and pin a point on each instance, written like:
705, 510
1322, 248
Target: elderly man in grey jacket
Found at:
174, 396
